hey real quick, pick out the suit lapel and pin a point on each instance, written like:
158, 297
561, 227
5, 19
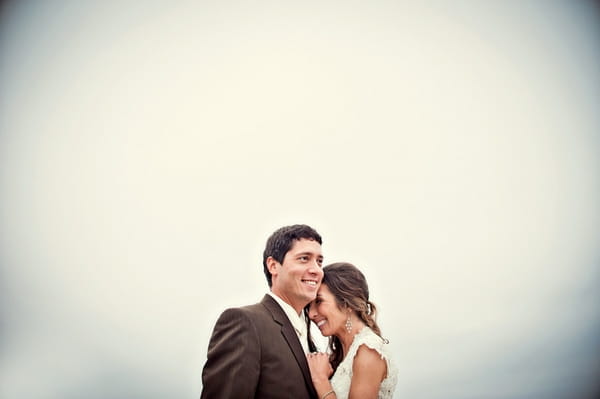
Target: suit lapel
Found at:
289, 333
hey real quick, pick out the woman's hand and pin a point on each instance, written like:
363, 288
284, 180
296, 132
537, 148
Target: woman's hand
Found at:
320, 368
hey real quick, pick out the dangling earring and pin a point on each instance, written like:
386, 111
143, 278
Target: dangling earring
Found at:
348, 324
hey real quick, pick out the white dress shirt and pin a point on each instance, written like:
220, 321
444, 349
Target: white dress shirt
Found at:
297, 320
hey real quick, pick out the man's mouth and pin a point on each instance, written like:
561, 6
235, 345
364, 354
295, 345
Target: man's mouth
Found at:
310, 282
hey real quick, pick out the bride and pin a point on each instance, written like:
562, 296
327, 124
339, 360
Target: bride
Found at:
356, 355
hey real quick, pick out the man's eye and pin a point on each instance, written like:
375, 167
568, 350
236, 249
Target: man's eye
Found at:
303, 258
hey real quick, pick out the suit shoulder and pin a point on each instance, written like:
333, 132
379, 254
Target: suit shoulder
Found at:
248, 311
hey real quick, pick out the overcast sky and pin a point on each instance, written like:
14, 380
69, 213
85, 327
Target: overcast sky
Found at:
450, 151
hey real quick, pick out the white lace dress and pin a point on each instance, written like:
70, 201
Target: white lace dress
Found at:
343, 375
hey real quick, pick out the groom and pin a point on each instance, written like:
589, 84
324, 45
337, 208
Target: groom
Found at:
258, 351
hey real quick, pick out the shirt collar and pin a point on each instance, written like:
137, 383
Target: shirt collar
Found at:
298, 321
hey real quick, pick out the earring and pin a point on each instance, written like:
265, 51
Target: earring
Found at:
348, 325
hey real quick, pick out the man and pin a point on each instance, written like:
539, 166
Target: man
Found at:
259, 351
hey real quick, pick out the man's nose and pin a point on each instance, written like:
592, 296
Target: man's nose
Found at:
315, 267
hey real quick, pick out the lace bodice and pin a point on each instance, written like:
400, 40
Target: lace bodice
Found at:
343, 375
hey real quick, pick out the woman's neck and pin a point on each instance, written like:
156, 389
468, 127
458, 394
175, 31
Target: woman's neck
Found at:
346, 338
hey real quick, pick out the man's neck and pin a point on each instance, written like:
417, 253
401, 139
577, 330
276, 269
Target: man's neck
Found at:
287, 300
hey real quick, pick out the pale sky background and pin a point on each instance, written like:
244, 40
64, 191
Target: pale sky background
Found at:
148, 149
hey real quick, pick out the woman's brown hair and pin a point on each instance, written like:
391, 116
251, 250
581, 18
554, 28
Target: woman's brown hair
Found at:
349, 287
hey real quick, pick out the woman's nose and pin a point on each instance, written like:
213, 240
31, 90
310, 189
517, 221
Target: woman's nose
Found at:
312, 311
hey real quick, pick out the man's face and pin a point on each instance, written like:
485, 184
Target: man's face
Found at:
298, 278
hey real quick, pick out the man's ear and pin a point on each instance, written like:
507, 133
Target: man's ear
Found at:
272, 265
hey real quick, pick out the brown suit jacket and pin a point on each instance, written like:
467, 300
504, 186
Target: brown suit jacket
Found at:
254, 352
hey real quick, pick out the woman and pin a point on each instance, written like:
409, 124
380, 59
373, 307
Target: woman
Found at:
357, 360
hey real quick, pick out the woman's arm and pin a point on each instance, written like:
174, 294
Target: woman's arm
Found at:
368, 370
320, 371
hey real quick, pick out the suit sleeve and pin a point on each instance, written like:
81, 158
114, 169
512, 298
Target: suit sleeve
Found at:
232, 366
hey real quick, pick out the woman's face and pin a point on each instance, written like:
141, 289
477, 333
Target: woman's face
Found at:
326, 314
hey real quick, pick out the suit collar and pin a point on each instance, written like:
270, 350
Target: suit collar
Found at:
289, 333
298, 321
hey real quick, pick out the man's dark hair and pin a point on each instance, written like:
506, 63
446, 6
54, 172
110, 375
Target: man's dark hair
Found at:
281, 242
